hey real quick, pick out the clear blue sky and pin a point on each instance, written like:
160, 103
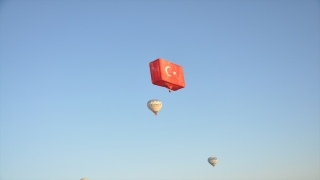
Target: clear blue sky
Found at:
75, 83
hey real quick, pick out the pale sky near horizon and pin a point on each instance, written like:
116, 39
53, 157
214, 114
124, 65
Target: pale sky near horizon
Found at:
75, 82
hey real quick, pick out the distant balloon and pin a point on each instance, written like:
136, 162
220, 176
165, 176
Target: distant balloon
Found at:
84, 179
213, 160
154, 105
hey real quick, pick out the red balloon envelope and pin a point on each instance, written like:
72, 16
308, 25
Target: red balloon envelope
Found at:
167, 74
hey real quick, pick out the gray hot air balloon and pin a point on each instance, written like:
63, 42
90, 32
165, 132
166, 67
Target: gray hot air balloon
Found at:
154, 105
213, 160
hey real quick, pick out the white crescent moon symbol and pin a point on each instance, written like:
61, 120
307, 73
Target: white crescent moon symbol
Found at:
166, 69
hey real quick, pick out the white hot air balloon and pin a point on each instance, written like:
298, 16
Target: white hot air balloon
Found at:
213, 160
154, 105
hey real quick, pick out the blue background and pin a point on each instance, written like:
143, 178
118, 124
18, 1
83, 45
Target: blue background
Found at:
75, 82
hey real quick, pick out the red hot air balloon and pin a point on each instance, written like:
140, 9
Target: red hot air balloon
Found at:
167, 74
